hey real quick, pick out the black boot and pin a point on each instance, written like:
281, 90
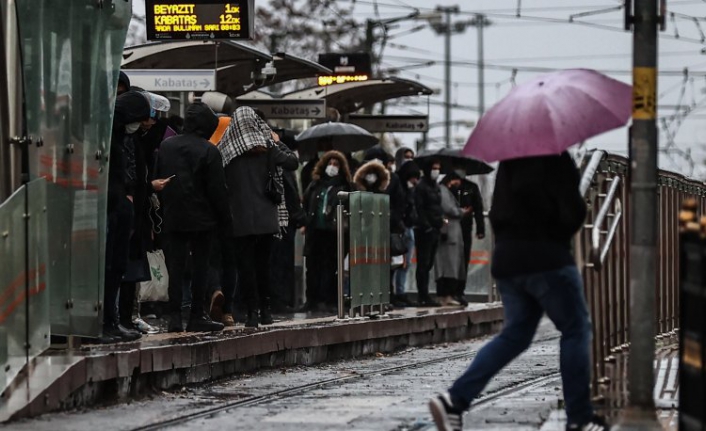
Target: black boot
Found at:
266, 316
175, 323
252, 320
203, 323
121, 333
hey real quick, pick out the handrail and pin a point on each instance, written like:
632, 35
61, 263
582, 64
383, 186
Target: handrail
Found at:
590, 171
597, 254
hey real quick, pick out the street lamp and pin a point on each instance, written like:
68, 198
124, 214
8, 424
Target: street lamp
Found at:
440, 22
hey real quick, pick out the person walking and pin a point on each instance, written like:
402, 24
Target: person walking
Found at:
254, 159
448, 262
430, 220
536, 211
195, 202
330, 176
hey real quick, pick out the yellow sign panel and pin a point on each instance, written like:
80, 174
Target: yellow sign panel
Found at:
341, 79
644, 93
199, 19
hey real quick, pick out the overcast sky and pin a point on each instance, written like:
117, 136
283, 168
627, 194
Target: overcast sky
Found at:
541, 39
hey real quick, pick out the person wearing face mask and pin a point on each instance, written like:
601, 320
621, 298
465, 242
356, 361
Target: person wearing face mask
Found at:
330, 176
468, 196
430, 220
409, 175
372, 177
402, 156
131, 109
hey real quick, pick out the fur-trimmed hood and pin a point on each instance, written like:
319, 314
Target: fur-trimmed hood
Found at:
320, 168
372, 167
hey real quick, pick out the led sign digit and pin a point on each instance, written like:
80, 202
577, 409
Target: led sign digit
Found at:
199, 19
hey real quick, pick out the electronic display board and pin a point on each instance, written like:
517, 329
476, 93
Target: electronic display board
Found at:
199, 19
350, 67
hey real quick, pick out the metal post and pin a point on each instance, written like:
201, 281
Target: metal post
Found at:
340, 243
480, 22
447, 78
640, 413
183, 100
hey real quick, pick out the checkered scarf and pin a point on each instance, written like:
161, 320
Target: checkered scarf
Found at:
245, 132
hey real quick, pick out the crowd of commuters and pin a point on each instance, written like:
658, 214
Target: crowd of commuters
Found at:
224, 196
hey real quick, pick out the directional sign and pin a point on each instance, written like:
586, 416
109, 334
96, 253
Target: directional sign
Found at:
283, 108
173, 80
391, 123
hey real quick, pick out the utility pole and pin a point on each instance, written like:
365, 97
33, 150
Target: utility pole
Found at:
640, 413
480, 23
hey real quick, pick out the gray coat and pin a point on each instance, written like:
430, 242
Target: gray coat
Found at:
253, 212
449, 256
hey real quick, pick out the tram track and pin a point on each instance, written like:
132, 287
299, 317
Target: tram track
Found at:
298, 390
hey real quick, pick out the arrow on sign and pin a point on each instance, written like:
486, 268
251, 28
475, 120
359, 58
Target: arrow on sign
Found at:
420, 125
316, 111
206, 83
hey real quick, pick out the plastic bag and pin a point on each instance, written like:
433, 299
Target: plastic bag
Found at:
157, 289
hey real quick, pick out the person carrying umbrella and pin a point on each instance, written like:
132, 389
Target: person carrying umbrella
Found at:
536, 211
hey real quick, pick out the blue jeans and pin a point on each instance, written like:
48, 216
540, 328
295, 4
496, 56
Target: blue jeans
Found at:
401, 273
525, 299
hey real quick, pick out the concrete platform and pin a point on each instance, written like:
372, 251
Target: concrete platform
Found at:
92, 374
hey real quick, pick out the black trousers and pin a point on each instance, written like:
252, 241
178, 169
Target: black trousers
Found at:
252, 255
467, 229
126, 302
117, 248
282, 270
446, 286
223, 274
426, 244
321, 267
178, 247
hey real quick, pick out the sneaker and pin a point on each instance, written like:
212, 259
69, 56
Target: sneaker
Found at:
203, 323
266, 317
144, 327
448, 301
121, 333
461, 299
228, 320
596, 423
216, 310
446, 416
428, 302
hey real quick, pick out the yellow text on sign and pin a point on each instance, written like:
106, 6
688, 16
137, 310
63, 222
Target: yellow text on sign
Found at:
644, 93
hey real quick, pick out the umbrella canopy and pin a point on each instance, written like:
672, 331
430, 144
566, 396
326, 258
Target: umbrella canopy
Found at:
451, 158
343, 137
549, 114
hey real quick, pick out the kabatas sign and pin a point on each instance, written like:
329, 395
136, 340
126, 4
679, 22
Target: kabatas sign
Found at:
199, 19
351, 67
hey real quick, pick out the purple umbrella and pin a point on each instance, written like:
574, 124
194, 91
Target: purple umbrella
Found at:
549, 114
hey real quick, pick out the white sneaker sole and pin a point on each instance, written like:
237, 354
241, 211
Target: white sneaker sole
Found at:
438, 412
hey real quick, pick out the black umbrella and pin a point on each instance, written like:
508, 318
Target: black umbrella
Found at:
451, 158
343, 137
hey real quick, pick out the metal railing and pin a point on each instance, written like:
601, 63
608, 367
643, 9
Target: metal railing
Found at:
365, 227
602, 252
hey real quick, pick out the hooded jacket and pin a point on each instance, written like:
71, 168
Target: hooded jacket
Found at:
130, 107
399, 157
325, 188
427, 201
196, 199
372, 167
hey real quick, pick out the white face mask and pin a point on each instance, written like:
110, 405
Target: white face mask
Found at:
410, 185
393, 168
371, 178
435, 174
132, 128
331, 170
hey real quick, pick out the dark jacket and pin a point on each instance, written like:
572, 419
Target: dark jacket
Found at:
468, 195
196, 199
297, 215
324, 187
130, 107
253, 212
427, 201
372, 167
537, 209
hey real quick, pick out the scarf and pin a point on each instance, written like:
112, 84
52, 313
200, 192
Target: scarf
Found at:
246, 132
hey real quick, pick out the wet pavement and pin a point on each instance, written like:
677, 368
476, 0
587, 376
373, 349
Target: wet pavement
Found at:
389, 400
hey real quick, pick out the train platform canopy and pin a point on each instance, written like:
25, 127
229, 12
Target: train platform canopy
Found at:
352, 96
235, 63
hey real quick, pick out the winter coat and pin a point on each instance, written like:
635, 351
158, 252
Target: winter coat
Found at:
254, 213
427, 200
372, 167
130, 107
536, 211
448, 262
399, 157
196, 199
468, 195
297, 215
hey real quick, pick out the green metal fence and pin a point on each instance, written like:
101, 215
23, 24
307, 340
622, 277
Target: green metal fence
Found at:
368, 235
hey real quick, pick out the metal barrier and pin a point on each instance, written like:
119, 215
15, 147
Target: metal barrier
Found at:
24, 299
366, 228
602, 253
